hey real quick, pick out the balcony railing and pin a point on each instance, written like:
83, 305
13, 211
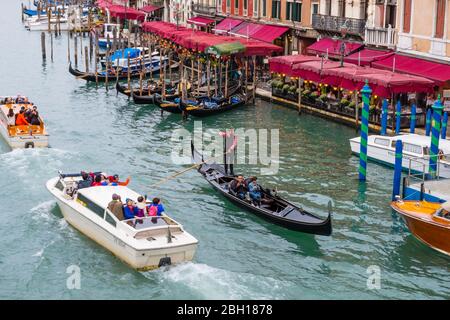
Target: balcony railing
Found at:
338, 24
204, 9
380, 37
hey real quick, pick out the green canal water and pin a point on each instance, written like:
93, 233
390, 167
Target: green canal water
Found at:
239, 256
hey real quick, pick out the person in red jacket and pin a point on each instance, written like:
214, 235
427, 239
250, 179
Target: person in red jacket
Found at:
20, 120
114, 180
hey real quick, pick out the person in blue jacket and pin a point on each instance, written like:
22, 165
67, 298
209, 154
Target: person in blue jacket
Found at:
130, 210
254, 191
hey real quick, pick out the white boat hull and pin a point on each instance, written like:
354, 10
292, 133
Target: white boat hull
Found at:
104, 236
387, 157
26, 141
44, 26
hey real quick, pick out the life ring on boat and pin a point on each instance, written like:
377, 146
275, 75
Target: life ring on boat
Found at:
29, 144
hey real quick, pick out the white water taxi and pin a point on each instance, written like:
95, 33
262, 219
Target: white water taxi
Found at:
416, 152
20, 136
42, 24
144, 243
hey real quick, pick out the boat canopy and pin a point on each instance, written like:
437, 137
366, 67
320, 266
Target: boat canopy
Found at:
224, 49
125, 53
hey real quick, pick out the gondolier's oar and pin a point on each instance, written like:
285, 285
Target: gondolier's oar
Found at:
187, 169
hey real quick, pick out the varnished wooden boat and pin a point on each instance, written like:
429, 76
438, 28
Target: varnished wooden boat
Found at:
123, 89
275, 210
429, 222
150, 99
168, 103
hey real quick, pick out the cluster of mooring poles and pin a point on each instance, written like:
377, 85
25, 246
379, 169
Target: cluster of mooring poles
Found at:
436, 125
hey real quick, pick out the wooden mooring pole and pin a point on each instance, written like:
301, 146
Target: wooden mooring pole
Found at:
75, 39
86, 58
43, 45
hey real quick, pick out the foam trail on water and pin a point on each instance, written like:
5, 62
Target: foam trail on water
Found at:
214, 283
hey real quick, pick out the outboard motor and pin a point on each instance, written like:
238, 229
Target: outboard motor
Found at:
29, 144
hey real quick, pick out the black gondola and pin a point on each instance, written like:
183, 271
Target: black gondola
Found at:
168, 104
201, 108
150, 99
101, 77
274, 209
123, 89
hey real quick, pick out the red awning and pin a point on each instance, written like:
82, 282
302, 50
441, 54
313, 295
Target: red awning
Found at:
246, 29
150, 8
333, 47
269, 33
227, 25
352, 77
201, 21
126, 13
199, 40
366, 56
437, 72
284, 64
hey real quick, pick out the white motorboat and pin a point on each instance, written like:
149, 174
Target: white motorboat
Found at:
22, 136
416, 152
108, 30
144, 243
41, 24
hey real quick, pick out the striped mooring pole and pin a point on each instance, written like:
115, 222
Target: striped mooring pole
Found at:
397, 169
365, 92
398, 114
384, 117
444, 126
435, 135
428, 123
412, 125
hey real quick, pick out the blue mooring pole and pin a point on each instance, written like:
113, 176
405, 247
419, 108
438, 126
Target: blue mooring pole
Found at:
412, 126
435, 135
428, 123
444, 126
397, 169
365, 92
384, 116
398, 114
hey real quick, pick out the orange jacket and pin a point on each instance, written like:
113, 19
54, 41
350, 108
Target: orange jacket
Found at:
21, 121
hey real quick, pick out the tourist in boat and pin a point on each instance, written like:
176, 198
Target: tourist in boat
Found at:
27, 113
254, 191
20, 120
11, 117
238, 187
156, 208
87, 180
34, 117
99, 181
116, 207
141, 206
20, 99
130, 210
114, 181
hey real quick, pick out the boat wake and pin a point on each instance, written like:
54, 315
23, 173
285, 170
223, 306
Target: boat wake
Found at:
206, 282
43, 210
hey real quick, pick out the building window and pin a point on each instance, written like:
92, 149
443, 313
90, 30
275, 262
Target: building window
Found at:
328, 7
264, 13
341, 8
228, 4
315, 8
256, 8
245, 4
236, 5
276, 9
407, 16
294, 11
440, 18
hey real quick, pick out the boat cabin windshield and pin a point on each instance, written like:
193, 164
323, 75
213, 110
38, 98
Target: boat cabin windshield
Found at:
443, 213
